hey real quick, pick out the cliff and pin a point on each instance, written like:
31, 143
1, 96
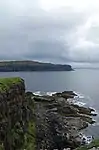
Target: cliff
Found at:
15, 116
9, 66
34, 122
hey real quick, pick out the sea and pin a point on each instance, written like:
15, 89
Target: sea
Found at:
84, 82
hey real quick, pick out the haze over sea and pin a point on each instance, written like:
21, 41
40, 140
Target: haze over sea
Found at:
83, 81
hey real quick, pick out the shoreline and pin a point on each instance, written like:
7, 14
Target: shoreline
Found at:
42, 120
74, 117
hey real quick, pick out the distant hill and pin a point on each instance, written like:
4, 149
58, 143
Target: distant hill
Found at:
10, 66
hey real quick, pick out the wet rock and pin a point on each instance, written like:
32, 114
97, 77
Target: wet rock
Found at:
83, 110
29, 94
43, 98
58, 122
65, 94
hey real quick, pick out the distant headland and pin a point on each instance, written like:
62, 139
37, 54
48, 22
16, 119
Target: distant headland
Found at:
11, 66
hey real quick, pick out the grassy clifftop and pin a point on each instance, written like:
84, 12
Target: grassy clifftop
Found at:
6, 83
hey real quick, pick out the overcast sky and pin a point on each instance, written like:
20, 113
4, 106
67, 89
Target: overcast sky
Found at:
57, 31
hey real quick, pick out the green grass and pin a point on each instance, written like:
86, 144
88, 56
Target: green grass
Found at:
6, 83
95, 143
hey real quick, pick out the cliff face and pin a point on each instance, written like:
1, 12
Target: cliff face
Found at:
15, 115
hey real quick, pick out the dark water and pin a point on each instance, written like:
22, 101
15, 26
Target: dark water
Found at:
83, 81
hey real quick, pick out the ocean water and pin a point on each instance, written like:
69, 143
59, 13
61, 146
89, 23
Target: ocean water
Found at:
83, 81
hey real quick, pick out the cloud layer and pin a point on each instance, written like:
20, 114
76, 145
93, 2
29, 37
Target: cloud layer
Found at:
50, 30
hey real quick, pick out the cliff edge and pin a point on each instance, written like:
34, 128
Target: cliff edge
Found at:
16, 122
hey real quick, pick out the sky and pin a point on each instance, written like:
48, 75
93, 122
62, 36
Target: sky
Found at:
59, 31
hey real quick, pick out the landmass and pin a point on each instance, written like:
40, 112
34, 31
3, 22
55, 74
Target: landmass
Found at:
40, 122
10, 66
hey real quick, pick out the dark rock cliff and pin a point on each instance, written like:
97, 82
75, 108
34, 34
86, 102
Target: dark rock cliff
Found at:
16, 117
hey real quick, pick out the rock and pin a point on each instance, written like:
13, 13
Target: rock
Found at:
43, 98
83, 110
58, 122
69, 93
29, 94
65, 94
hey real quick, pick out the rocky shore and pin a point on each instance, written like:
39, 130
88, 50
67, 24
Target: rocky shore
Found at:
58, 121
30, 121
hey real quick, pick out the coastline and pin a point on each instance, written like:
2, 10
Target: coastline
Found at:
42, 120
55, 104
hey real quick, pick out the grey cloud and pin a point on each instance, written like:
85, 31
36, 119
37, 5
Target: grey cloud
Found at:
31, 33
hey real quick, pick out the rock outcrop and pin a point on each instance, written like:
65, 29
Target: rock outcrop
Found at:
58, 122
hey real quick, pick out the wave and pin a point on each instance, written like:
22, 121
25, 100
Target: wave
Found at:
37, 93
79, 95
80, 104
40, 93
50, 93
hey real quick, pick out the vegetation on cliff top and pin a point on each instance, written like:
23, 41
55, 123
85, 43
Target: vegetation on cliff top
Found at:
6, 83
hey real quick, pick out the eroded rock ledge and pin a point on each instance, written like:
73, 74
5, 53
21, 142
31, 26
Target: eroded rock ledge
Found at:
58, 122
